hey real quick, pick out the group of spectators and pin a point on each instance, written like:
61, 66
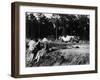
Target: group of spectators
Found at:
35, 48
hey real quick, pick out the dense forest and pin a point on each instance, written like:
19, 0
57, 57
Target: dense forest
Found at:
40, 25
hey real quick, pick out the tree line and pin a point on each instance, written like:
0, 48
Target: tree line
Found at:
39, 25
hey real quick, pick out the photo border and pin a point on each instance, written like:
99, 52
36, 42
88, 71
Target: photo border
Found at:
15, 69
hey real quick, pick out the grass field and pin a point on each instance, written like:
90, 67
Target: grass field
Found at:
65, 55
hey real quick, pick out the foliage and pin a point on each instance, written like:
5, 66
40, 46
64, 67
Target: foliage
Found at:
39, 25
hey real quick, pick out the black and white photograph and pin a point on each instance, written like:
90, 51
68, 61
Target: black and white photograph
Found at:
52, 39
57, 39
